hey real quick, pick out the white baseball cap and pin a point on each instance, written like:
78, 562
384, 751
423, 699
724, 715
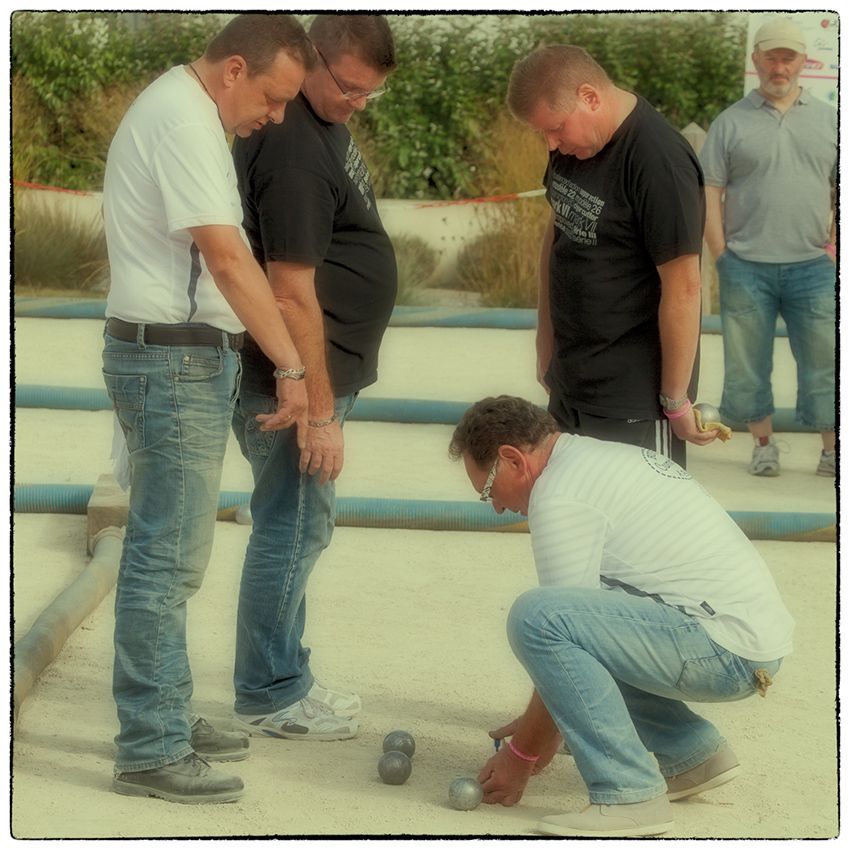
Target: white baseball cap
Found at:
780, 32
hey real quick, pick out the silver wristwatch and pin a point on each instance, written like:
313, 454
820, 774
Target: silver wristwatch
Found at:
672, 403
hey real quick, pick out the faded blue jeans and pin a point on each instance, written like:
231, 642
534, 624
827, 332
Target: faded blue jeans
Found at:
612, 670
293, 520
175, 405
751, 297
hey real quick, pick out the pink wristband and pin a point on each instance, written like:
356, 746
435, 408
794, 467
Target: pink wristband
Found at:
520, 754
678, 414
829, 247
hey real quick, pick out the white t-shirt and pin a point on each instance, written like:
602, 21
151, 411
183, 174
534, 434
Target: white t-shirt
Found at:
168, 169
618, 517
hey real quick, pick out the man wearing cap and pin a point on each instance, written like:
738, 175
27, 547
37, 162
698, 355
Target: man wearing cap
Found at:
770, 169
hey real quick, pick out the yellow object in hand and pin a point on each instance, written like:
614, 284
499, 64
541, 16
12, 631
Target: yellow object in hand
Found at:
724, 431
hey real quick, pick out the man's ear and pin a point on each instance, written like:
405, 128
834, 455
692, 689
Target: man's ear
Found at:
513, 457
589, 96
234, 67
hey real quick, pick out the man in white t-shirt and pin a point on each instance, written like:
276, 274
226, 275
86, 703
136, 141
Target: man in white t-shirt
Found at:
633, 616
184, 286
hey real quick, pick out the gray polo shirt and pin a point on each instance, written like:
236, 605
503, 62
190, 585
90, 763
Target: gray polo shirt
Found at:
778, 170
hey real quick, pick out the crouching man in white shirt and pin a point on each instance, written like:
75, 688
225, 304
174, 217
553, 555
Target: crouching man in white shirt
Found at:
649, 595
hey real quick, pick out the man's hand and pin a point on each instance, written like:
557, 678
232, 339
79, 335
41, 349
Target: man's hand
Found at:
685, 428
547, 752
504, 777
291, 409
323, 452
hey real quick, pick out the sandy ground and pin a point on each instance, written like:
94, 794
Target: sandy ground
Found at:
412, 620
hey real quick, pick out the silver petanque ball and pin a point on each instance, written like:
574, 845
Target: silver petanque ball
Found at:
394, 768
465, 794
400, 741
708, 412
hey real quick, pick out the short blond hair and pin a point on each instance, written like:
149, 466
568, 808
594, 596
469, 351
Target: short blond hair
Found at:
552, 74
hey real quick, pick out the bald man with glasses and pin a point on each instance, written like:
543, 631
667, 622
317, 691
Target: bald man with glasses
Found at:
312, 219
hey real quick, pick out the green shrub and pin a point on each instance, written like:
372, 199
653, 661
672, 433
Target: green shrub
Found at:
417, 265
78, 66
424, 138
53, 249
503, 263
426, 135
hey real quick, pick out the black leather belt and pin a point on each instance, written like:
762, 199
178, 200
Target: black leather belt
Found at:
173, 334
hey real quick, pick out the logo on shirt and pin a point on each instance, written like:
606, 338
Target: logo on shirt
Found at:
576, 210
664, 466
355, 168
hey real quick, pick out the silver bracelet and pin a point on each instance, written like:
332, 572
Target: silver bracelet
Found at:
321, 423
292, 374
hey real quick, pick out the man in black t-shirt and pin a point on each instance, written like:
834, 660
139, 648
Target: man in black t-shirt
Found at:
619, 302
312, 220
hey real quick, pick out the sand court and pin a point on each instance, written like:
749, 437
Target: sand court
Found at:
413, 620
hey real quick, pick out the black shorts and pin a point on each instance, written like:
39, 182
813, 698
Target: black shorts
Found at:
655, 434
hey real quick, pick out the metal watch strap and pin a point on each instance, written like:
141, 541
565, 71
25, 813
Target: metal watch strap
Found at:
292, 374
672, 403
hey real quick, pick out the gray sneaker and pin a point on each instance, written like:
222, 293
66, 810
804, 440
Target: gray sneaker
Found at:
190, 780
765, 460
714, 771
214, 745
826, 466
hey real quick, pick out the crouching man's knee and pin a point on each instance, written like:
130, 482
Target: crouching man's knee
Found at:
525, 619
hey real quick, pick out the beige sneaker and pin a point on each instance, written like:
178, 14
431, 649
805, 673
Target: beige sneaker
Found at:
650, 817
714, 771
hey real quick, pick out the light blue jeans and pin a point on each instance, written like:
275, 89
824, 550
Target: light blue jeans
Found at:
751, 297
612, 670
175, 405
293, 520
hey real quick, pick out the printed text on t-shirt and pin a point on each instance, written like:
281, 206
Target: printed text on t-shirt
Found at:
576, 210
355, 168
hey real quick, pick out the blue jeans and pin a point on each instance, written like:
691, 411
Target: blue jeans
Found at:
175, 405
751, 297
612, 670
293, 520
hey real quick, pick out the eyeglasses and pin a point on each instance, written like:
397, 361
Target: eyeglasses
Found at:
488, 484
352, 95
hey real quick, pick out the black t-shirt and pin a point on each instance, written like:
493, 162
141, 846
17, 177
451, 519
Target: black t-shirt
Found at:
307, 198
637, 204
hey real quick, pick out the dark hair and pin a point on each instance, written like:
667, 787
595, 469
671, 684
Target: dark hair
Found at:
368, 37
501, 421
552, 74
258, 38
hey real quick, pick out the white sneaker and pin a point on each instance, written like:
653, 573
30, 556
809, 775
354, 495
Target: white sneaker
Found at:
307, 719
339, 702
